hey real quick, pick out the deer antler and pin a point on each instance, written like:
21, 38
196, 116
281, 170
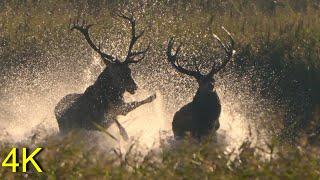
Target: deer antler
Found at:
84, 29
229, 50
131, 55
172, 58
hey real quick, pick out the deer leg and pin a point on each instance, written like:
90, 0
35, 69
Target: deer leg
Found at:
122, 130
128, 107
125, 109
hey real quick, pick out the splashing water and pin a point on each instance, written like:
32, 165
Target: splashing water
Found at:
26, 111
27, 103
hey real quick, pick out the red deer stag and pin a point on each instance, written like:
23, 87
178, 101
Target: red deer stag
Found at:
200, 116
102, 102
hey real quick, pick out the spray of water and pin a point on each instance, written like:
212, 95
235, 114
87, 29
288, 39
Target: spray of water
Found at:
27, 111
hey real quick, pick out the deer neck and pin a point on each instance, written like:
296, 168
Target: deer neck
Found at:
203, 94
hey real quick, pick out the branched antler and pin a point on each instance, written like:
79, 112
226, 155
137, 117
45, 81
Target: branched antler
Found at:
131, 55
228, 48
172, 58
83, 27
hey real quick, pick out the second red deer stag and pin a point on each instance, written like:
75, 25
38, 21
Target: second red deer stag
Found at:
200, 116
102, 102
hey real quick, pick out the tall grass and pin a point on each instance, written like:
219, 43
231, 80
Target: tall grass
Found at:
65, 159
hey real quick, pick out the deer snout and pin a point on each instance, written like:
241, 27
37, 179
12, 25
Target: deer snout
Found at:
132, 89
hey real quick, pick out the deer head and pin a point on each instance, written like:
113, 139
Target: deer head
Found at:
117, 72
205, 81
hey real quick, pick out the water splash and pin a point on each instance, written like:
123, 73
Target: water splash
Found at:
30, 95
24, 112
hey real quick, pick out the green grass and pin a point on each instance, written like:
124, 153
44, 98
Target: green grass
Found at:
283, 36
65, 159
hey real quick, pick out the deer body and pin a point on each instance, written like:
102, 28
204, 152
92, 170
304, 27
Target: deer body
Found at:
198, 117
102, 102
201, 116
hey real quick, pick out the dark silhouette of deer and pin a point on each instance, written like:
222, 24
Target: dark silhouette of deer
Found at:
200, 116
102, 102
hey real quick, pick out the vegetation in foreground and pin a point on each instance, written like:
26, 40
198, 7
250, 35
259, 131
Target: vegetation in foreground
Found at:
64, 159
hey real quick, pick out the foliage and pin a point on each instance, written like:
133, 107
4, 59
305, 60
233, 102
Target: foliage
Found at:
64, 159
